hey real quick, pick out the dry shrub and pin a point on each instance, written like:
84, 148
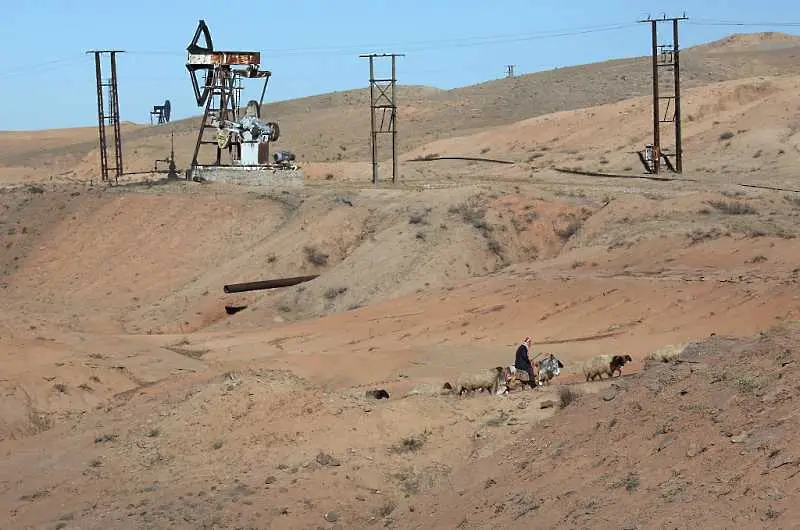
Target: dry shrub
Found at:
733, 207
566, 396
315, 256
566, 232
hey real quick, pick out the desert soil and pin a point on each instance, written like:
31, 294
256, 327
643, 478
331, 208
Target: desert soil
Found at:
132, 399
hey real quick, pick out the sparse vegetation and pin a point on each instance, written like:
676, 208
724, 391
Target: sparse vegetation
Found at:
632, 482
469, 212
747, 385
698, 235
566, 396
61, 387
494, 247
411, 443
758, 259
419, 218
727, 135
794, 200
733, 207
429, 156
39, 421
385, 509
314, 256
733, 194
567, 231
518, 225
333, 292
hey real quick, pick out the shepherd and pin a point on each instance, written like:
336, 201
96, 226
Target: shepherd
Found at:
523, 363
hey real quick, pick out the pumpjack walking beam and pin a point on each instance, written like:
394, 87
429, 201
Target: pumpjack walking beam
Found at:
669, 57
219, 93
112, 119
382, 99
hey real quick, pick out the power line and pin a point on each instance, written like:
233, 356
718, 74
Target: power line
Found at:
39, 68
712, 22
424, 44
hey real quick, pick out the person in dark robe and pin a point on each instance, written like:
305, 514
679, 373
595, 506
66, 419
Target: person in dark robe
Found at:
523, 362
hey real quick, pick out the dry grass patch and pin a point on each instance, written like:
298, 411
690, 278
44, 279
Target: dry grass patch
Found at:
732, 207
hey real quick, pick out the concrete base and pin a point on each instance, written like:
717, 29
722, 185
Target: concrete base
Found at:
250, 175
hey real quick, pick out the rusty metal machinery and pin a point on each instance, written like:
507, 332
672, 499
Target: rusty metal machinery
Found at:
243, 134
172, 170
267, 284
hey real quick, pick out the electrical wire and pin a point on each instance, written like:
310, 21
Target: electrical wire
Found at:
425, 44
712, 22
40, 67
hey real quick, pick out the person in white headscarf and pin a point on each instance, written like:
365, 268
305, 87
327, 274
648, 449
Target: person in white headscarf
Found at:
523, 363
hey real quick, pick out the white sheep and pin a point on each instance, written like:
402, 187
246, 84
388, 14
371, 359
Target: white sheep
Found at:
597, 366
666, 354
489, 379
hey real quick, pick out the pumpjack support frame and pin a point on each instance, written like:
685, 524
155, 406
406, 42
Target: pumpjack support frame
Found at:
220, 90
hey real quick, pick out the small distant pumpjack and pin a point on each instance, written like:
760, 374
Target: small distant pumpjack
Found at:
161, 112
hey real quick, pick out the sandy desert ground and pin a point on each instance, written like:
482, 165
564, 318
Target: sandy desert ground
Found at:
131, 399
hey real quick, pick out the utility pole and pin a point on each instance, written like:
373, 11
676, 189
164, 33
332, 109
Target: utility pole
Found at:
104, 119
666, 56
382, 100
510, 70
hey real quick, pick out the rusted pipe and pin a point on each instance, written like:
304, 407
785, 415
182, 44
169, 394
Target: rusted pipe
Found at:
267, 284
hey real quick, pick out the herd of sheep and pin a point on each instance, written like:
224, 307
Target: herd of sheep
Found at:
503, 379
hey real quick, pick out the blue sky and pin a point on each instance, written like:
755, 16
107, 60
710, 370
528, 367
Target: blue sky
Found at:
312, 46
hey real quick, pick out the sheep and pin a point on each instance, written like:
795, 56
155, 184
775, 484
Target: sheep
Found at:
513, 379
604, 364
618, 361
597, 366
489, 379
666, 354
